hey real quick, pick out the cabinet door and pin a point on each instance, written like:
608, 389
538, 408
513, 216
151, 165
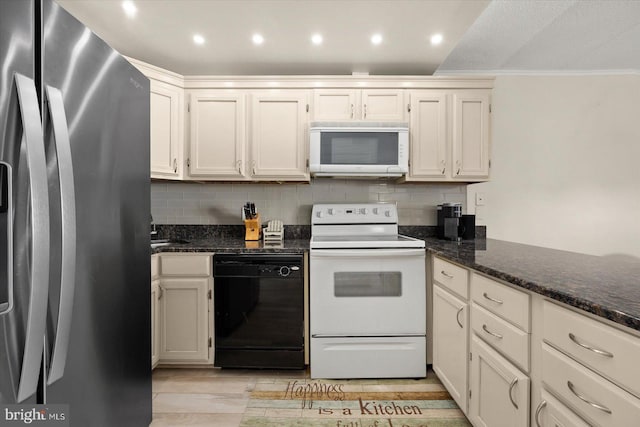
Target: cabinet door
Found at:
166, 130
184, 324
428, 153
218, 141
383, 105
334, 104
450, 346
155, 319
278, 136
499, 391
552, 413
470, 139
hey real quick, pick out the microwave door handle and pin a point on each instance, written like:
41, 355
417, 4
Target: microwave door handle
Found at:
39, 255
68, 233
6, 208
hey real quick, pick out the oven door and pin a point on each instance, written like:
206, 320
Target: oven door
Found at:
367, 292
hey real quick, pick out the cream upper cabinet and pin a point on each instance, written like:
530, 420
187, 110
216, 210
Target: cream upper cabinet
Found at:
166, 132
429, 147
278, 136
378, 105
470, 135
450, 134
217, 147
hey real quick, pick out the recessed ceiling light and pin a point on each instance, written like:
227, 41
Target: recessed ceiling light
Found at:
198, 39
376, 39
316, 39
257, 39
436, 39
130, 9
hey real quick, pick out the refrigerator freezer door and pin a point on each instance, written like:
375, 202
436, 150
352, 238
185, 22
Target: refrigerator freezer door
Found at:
107, 377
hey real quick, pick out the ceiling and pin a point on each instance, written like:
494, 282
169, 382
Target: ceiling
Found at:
479, 36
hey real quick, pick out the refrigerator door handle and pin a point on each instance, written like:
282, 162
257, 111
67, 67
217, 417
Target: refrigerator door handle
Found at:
39, 250
68, 214
6, 209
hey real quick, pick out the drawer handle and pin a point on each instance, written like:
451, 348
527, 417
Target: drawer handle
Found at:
538, 411
445, 274
497, 301
588, 347
458, 317
584, 399
511, 386
484, 328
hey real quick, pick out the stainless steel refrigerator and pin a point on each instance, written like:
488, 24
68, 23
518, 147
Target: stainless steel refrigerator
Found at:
74, 220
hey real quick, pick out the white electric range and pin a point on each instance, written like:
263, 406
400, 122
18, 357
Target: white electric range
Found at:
367, 294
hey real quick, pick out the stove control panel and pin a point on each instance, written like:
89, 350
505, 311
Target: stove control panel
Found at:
355, 213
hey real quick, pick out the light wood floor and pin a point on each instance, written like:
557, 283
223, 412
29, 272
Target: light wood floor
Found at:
207, 397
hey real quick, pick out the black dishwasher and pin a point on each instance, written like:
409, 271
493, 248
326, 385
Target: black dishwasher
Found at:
259, 311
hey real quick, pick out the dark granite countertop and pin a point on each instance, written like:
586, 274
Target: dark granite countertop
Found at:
607, 286
236, 246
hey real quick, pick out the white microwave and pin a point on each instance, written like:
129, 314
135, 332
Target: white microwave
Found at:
358, 149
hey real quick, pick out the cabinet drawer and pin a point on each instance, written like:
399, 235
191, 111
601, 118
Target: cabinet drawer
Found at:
451, 276
599, 401
155, 266
553, 413
512, 342
604, 349
502, 300
185, 265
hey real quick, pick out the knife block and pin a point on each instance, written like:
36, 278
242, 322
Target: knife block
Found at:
252, 228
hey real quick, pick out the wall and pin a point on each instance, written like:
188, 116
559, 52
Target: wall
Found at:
565, 163
194, 203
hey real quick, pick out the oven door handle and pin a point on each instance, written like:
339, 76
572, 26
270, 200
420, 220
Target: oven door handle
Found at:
368, 253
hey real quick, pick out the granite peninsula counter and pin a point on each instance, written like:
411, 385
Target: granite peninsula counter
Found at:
606, 286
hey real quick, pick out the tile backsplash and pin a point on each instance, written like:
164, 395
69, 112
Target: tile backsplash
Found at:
221, 203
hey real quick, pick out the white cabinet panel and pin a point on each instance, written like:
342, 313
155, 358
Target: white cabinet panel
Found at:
278, 136
429, 135
184, 320
218, 136
599, 401
381, 105
335, 104
450, 342
508, 303
606, 350
552, 413
451, 277
499, 391
166, 133
470, 144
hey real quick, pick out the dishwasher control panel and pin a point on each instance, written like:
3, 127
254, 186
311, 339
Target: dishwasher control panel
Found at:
258, 265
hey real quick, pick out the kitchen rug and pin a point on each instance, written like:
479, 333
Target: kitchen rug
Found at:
352, 403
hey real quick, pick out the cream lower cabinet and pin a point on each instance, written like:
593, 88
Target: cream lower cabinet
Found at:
450, 342
186, 325
450, 134
553, 413
499, 390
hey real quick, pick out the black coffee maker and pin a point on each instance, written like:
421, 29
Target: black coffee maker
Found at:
452, 225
